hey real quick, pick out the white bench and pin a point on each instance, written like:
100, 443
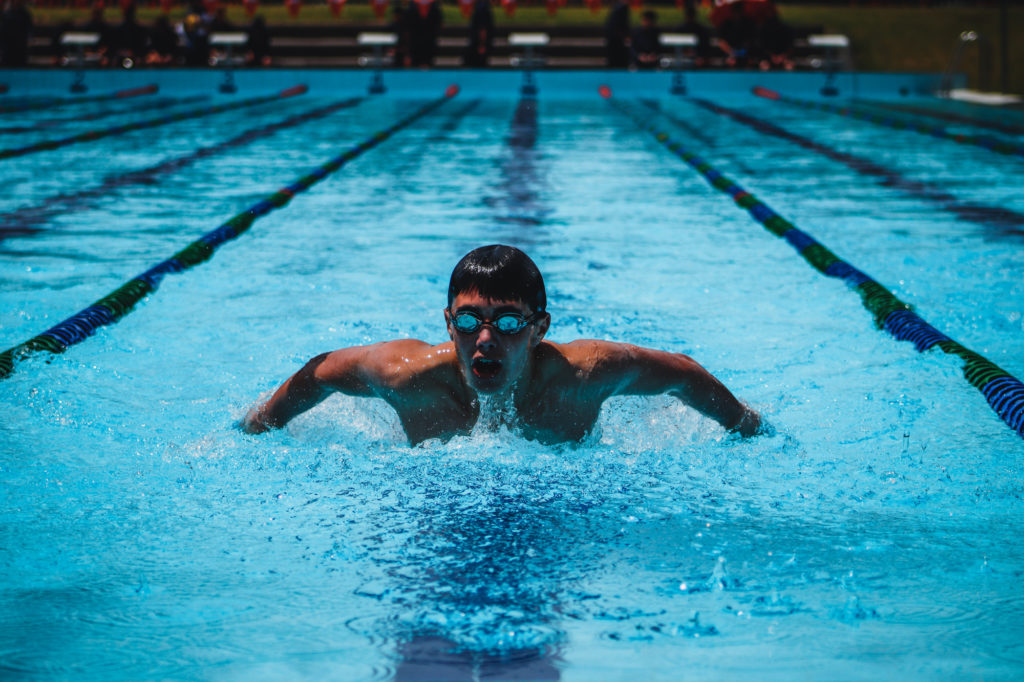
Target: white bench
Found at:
528, 41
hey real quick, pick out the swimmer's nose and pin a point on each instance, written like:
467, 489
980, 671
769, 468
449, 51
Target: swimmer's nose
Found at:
485, 339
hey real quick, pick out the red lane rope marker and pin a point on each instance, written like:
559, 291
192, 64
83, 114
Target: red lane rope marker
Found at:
766, 93
151, 123
135, 92
122, 300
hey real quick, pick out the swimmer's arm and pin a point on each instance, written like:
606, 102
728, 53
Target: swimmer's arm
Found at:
644, 371
347, 371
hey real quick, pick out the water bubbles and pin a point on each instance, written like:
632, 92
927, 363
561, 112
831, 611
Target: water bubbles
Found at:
853, 612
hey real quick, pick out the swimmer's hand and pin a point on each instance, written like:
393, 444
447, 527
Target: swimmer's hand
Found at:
253, 422
752, 424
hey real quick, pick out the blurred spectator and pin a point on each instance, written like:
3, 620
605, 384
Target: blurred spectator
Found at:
616, 35
646, 42
481, 35
424, 21
702, 51
194, 40
219, 20
128, 41
259, 43
736, 31
15, 27
98, 25
774, 39
163, 43
399, 26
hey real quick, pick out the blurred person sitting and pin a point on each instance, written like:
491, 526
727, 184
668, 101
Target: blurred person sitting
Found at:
773, 38
736, 31
195, 41
128, 41
258, 44
399, 52
219, 21
481, 35
15, 28
616, 35
424, 21
701, 53
98, 25
646, 41
163, 43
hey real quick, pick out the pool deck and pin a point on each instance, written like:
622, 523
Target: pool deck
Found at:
550, 83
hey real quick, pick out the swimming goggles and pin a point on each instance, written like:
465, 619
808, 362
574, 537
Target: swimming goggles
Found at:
507, 323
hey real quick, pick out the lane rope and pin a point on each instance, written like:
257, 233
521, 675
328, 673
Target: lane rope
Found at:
999, 216
122, 300
984, 141
1001, 126
1004, 392
160, 103
92, 135
23, 221
67, 101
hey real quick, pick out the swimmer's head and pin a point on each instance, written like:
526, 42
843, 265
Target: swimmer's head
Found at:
500, 273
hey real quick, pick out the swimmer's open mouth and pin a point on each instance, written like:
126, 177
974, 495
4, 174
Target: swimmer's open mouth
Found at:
486, 369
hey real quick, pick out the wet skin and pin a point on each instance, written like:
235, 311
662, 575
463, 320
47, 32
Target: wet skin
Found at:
549, 392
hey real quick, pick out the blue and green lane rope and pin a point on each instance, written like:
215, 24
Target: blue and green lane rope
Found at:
121, 301
1004, 392
984, 141
93, 135
67, 101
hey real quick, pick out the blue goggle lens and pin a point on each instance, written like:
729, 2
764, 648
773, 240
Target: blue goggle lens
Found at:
506, 323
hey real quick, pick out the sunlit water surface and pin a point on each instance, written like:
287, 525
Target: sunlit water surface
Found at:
875, 535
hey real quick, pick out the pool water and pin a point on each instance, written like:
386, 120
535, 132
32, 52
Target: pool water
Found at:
875, 534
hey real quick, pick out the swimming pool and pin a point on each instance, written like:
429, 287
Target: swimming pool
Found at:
143, 536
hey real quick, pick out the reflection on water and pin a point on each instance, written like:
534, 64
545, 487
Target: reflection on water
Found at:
482, 576
426, 658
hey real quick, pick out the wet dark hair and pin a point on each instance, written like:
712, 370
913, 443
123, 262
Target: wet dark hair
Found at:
499, 272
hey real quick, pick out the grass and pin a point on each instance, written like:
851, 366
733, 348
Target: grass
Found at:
883, 38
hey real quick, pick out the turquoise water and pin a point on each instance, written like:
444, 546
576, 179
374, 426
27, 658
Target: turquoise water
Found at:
142, 536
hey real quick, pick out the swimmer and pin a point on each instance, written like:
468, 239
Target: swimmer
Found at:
497, 318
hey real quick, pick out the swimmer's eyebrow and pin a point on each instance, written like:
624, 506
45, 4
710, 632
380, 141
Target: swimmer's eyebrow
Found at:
507, 308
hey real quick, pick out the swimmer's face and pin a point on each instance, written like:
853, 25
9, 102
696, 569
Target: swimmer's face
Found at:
492, 362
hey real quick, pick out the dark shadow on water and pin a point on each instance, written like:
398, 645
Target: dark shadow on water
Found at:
518, 202
429, 658
495, 572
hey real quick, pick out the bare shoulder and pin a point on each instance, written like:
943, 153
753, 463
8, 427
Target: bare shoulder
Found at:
594, 359
399, 362
590, 355
385, 365
616, 364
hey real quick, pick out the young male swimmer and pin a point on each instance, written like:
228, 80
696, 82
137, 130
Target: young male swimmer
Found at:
497, 319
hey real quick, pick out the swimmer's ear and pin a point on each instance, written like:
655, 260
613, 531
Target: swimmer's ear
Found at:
540, 328
448, 324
